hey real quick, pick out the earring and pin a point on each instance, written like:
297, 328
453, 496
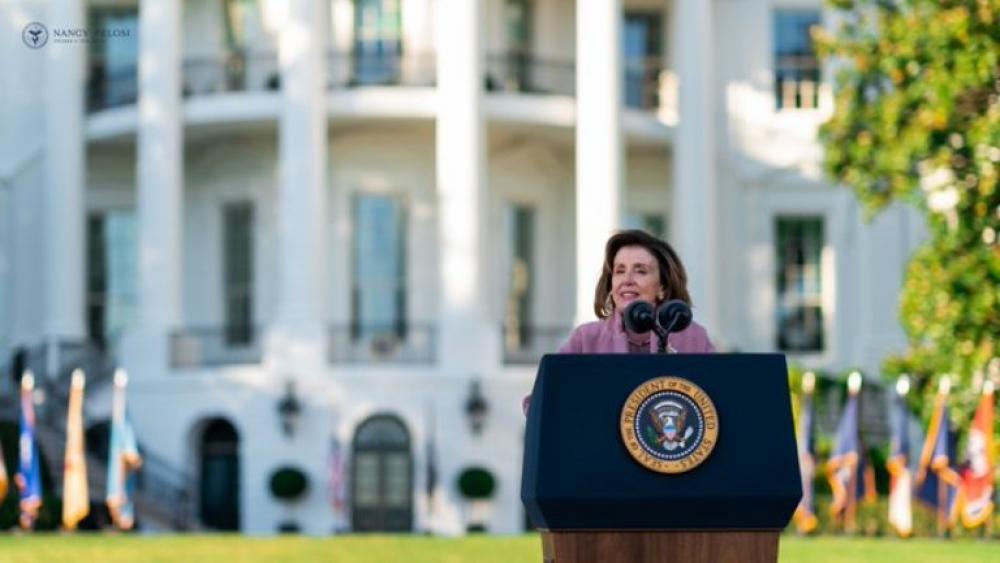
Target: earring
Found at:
609, 304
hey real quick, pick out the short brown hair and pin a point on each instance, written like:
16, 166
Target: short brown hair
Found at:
673, 278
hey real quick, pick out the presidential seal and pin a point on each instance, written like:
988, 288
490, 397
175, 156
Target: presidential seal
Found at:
669, 425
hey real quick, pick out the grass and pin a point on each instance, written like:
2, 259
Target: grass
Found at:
116, 548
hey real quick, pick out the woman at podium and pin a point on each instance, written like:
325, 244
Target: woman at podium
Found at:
637, 267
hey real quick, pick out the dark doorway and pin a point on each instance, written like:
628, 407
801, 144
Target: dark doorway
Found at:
220, 476
382, 476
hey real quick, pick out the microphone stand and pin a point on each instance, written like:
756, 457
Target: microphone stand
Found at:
662, 334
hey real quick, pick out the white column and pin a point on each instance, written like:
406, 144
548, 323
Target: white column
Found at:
299, 335
599, 152
464, 339
694, 216
65, 176
160, 173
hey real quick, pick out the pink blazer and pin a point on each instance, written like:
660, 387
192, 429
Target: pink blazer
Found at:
607, 336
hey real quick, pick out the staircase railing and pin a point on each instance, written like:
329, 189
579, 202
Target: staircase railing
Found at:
163, 492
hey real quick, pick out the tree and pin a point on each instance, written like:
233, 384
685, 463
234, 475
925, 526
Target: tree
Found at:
917, 120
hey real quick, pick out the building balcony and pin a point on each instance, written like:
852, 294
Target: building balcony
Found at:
215, 346
525, 345
240, 71
242, 88
524, 73
402, 343
237, 71
353, 69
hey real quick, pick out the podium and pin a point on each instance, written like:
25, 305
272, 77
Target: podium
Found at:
585, 488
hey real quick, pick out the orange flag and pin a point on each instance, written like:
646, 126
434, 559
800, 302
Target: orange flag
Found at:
975, 497
76, 497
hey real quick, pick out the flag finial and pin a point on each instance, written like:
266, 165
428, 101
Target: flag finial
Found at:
944, 386
903, 385
808, 382
28, 381
854, 382
79, 378
121, 378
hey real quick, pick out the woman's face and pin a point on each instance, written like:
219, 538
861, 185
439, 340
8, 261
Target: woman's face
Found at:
635, 275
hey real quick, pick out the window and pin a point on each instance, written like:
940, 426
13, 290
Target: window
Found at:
377, 41
642, 36
378, 292
113, 62
111, 274
799, 280
517, 23
243, 20
520, 221
238, 247
796, 69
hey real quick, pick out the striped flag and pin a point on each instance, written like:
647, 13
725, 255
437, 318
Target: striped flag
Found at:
898, 464
338, 482
431, 475
123, 459
805, 514
976, 492
851, 476
29, 478
937, 480
76, 496
4, 480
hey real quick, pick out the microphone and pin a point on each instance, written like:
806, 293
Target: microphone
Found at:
638, 317
673, 316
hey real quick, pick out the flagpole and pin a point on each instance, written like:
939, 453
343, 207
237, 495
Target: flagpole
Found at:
942, 500
850, 514
944, 388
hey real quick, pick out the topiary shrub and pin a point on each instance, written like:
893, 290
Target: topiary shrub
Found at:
288, 483
477, 483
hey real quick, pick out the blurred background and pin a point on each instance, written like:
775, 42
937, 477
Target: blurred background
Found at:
329, 241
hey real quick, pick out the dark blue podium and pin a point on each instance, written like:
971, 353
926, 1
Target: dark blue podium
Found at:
594, 501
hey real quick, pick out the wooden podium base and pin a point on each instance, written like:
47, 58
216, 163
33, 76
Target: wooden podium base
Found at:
635, 547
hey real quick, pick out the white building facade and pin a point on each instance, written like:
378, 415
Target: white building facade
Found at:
384, 211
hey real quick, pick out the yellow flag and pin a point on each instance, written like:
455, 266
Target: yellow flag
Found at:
4, 482
76, 498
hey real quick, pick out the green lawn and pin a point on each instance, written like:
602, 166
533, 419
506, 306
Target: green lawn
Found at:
46, 548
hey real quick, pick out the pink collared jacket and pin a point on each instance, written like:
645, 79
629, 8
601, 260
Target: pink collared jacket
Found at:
607, 336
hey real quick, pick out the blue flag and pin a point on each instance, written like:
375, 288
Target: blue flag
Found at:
123, 461
937, 477
29, 477
851, 476
898, 464
805, 514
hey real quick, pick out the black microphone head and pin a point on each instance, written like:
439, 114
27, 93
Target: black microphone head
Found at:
673, 316
638, 317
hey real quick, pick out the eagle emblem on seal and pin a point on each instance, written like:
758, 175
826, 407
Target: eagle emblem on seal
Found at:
669, 420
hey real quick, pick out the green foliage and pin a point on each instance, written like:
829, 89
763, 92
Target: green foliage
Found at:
288, 483
916, 120
477, 483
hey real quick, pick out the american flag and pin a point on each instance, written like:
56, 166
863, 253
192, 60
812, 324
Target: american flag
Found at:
338, 480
